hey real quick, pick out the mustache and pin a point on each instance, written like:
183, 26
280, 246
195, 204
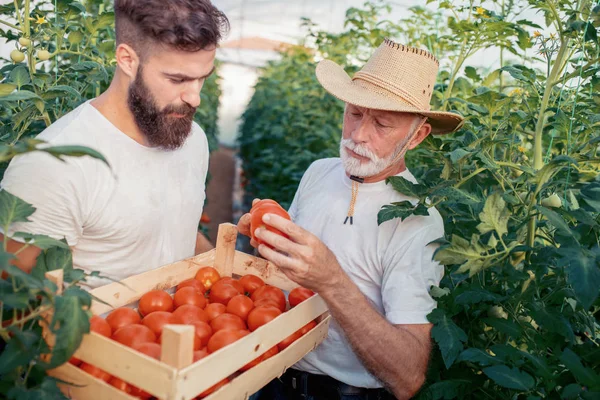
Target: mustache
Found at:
183, 109
359, 149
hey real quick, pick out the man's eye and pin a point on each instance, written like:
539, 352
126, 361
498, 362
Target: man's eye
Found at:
355, 114
379, 124
176, 81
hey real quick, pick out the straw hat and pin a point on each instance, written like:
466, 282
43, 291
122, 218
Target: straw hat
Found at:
396, 78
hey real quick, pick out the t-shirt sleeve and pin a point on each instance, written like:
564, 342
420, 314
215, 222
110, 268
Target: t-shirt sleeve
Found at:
409, 273
295, 206
54, 188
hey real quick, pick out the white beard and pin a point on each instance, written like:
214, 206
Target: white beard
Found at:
356, 167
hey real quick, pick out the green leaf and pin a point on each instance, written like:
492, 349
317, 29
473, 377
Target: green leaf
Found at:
402, 210
458, 154
457, 195
591, 195
74, 151
521, 73
590, 33
461, 251
471, 73
583, 273
540, 368
476, 296
13, 209
552, 321
477, 356
584, 375
406, 187
448, 335
55, 91
20, 95
42, 241
571, 392
19, 76
510, 378
19, 350
446, 390
48, 390
494, 216
6, 89
51, 259
558, 222
509, 327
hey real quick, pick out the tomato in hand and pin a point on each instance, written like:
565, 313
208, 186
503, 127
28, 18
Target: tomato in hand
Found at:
155, 300
262, 315
157, 320
250, 283
189, 295
223, 338
270, 292
240, 305
207, 276
213, 310
227, 322
298, 295
121, 317
188, 313
222, 293
192, 283
258, 211
131, 335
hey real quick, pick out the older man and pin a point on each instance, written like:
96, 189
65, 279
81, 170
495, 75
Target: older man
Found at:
374, 278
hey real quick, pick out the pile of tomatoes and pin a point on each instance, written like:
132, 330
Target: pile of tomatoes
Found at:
221, 309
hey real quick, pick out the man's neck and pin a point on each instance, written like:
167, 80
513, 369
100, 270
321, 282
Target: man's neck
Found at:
112, 104
392, 170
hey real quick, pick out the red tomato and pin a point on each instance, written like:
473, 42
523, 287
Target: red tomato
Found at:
285, 343
202, 333
266, 302
258, 211
157, 320
222, 293
193, 283
270, 292
131, 335
215, 309
233, 282
148, 348
223, 338
213, 388
95, 372
75, 361
308, 327
121, 317
189, 295
208, 276
240, 305
200, 354
120, 384
262, 315
269, 353
188, 313
155, 300
227, 321
100, 326
298, 295
250, 283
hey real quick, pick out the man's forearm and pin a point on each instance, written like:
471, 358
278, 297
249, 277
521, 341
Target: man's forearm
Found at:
202, 244
386, 350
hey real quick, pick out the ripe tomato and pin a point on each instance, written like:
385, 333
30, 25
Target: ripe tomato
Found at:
298, 295
213, 388
189, 295
308, 327
131, 335
250, 283
121, 317
100, 326
193, 283
188, 313
95, 372
157, 320
270, 292
262, 315
148, 348
233, 282
215, 309
268, 354
227, 321
208, 276
75, 361
222, 293
223, 338
200, 354
155, 300
257, 212
240, 305
120, 384
265, 301
284, 344
202, 333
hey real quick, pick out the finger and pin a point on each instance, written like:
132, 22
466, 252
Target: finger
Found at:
255, 201
281, 243
293, 231
243, 224
280, 260
253, 243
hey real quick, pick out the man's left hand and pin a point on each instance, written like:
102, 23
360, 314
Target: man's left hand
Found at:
302, 257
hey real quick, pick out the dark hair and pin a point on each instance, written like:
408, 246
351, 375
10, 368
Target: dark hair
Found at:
189, 25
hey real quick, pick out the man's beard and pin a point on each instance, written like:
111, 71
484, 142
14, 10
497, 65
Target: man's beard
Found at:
161, 129
374, 166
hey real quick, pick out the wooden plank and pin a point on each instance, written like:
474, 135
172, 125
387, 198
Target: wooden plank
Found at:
225, 249
201, 375
177, 348
127, 364
246, 264
57, 277
85, 386
129, 290
248, 383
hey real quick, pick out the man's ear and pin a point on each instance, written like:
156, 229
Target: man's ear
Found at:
127, 60
420, 136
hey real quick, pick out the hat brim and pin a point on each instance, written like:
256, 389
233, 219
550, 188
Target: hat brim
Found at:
337, 82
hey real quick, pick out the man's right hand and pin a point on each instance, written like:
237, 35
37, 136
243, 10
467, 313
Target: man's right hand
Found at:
243, 225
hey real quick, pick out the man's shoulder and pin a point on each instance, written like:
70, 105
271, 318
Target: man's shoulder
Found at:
68, 128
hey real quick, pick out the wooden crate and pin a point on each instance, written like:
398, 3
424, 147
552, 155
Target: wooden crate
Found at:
175, 376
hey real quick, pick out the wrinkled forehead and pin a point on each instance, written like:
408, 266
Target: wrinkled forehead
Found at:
381, 113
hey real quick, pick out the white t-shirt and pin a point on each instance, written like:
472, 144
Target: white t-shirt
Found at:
140, 215
391, 263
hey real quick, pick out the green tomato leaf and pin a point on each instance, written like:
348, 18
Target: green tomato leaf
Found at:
448, 336
511, 378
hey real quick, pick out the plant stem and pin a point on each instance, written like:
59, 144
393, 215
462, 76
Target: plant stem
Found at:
17, 12
466, 178
11, 25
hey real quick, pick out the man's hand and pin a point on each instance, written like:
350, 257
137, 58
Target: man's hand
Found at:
302, 257
243, 225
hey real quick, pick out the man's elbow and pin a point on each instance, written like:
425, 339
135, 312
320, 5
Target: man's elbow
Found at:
409, 388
